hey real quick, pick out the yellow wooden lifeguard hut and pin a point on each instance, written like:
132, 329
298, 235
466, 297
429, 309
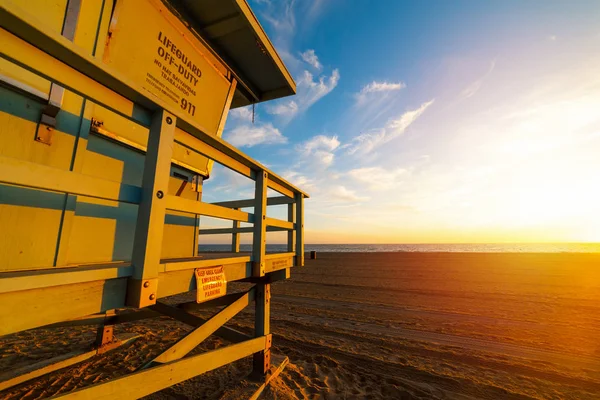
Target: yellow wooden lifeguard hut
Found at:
111, 115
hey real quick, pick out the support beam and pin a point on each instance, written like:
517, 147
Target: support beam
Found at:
145, 382
226, 333
259, 239
262, 327
246, 229
272, 376
176, 203
279, 223
147, 243
235, 236
271, 201
291, 234
17, 376
218, 302
195, 337
299, 230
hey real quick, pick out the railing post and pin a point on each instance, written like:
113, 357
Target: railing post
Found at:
262, 327
147, 243
262, 313
259, 240
235, 236
299, 230
291, 234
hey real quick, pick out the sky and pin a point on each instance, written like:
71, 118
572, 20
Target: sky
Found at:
430, 121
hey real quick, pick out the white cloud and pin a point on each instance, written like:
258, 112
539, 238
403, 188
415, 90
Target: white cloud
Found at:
242, 113
321, 142
289, 108
318, 151
311, 58
342, 193
367, 142
310, 90
251, 135
377, 178
378, 88
475, 86
300, 180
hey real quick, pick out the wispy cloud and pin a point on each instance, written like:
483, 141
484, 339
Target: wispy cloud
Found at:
377, 88
310, 90
299, 180
311, 58
377, 178
241, 114
252, 135
475, 86
341, 193
319, 150
288, 108
367, 142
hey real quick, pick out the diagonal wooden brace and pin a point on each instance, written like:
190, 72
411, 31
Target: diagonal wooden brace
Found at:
194, 338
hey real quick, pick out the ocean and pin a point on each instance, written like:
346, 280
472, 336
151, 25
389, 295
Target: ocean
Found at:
429, 248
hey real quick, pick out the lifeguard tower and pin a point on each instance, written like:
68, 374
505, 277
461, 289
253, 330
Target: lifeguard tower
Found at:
111, 115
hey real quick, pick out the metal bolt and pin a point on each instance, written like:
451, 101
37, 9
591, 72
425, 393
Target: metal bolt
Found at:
152, 296
264, 217
169, 120
146, 284
160, 194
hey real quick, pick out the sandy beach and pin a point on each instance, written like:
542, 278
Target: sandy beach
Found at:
381, 325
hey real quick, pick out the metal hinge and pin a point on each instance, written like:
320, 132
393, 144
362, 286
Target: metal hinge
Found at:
47, 123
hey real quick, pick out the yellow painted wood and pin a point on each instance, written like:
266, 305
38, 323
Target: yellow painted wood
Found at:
186, 344
28, 280
203, 98
27, 54
28, 236
279, 223
299, 230
80, 83
211, 210
29, 174
58, 303
190, 319
151, 380
20, 375
282, 364
62, 257
271, 201
54, 13
44, 367
103, 31
17, 141
87, 24
259, 237
291, 234
151, 213
235, 236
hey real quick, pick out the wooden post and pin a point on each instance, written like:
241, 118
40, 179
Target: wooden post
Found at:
262, 327
235, 236
299, 230
259, 240
147, 243
291, 234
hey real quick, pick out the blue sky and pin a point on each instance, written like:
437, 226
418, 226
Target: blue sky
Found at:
432, 121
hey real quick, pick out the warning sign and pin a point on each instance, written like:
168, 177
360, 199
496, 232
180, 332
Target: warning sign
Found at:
211, 283
151, 46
